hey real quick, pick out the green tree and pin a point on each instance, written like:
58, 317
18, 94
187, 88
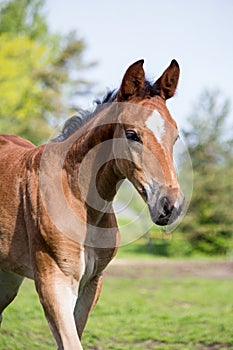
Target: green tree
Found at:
24, 17
39, 71
208, 226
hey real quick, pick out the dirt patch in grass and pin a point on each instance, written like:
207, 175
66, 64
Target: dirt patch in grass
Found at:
152, 344
214, 346
136, 268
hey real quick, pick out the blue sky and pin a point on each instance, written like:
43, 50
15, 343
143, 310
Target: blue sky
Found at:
196, 33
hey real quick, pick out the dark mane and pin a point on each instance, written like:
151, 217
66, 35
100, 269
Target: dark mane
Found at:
83, 116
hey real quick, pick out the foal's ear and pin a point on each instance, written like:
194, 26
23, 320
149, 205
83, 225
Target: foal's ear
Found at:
133, 82
166, 85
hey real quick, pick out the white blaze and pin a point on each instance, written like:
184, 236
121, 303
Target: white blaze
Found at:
155, 123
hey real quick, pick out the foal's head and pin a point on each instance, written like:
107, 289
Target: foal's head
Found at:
147, 133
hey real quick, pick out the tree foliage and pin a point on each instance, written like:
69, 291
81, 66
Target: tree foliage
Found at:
208, 226
23, 17
39, 71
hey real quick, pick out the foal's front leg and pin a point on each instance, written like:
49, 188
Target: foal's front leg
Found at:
58, 294
87, 299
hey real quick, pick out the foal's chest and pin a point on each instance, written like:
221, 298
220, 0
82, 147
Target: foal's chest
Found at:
96, 260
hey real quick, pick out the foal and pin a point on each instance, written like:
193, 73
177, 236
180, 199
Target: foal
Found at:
57, 224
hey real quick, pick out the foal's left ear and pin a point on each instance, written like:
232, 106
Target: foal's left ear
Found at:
166, 85
133, 82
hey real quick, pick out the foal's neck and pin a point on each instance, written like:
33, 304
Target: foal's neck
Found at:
90, 166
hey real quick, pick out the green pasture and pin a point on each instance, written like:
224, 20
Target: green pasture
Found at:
139, 308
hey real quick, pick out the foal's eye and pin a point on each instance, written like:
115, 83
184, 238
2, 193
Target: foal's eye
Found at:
133, 136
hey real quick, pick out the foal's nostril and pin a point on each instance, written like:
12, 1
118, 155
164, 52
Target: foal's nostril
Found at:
165, 206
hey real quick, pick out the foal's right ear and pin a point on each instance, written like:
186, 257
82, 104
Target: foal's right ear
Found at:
133, 82
166, 85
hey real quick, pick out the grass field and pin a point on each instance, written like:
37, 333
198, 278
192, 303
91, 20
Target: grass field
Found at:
155, 305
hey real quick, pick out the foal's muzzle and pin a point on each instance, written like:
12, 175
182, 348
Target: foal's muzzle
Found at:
166, 210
